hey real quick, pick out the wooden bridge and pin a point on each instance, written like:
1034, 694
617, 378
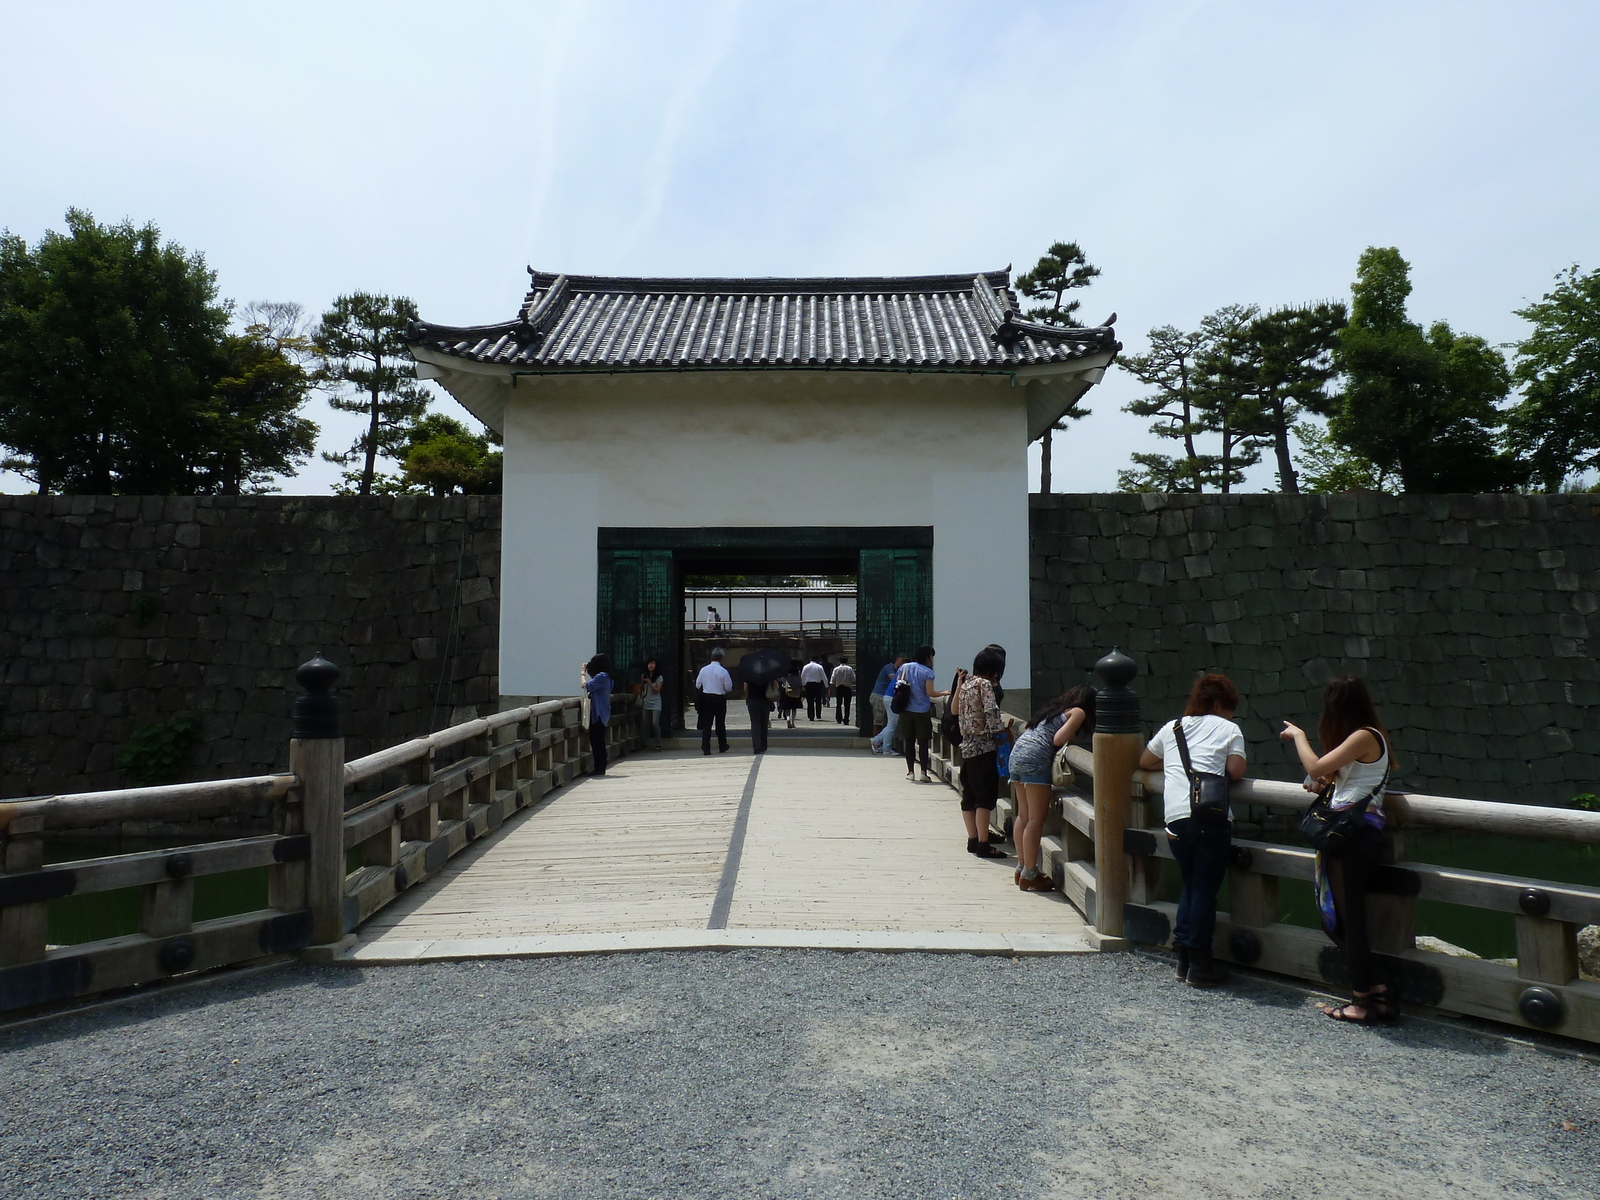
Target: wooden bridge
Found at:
490, 839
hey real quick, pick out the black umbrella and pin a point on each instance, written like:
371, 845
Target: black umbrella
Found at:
762, 667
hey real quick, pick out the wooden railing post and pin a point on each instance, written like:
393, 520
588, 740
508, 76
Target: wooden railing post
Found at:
316, 756
1118, 738
22, 926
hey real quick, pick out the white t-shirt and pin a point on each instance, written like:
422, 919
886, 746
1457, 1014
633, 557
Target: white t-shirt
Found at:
714, 680
1211, 740
844, 675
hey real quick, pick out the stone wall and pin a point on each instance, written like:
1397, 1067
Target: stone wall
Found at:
1468, 615
120, 612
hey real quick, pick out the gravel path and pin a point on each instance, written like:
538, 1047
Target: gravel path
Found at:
776, 1074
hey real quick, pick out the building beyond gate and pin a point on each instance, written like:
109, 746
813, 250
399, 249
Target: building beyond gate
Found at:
658, 428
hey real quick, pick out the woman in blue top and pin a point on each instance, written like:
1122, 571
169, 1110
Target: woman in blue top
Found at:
916, 723
596, 678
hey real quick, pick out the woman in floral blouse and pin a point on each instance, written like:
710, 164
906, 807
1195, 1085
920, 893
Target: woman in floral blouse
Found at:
982, 731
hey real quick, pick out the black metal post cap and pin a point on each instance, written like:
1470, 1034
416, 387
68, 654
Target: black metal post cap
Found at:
316, 710
1116, 705
1116, 670
317, 674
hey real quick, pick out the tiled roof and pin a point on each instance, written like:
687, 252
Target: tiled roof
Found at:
924, 322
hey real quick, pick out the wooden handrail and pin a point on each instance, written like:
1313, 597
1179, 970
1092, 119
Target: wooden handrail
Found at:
124, 804
360, 769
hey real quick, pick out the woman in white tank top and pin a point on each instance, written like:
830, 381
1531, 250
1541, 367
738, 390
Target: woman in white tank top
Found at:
1355, 760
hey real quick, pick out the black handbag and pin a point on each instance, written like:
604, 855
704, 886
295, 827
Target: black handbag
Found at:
950, 723
901, 696
1208, 792
1330, 830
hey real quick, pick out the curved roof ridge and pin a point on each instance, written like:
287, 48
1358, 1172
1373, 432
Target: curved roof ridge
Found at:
809, 284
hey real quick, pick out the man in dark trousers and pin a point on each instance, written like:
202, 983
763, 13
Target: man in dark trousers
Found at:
843, 684
814, 678
712, 686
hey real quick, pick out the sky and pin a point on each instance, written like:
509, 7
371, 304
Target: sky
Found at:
1202, 152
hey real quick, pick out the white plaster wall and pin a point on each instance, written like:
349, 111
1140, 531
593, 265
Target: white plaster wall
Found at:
767, 449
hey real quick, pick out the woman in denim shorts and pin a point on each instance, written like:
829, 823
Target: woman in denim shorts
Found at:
1052, 727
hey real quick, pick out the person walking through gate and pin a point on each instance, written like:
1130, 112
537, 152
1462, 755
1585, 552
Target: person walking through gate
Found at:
651, 682
1200, 843
983, 728
882, 715
790, 692
713, 685
758, 699
595, 676
1032, 765
916, 723
1353, 770
843, 683
814, 678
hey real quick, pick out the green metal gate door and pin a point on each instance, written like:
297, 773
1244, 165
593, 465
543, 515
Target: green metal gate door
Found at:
638, 617
894, 614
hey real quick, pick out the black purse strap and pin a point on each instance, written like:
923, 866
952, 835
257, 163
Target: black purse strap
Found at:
1183, 748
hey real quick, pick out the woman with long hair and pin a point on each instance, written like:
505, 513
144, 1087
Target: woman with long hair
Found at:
1199, 843
1355, 762
597, 679
652, 681
983, 729
1032, 760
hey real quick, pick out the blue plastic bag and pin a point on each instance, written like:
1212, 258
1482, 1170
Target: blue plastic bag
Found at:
1002, 758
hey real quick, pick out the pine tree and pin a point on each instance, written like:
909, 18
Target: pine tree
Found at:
1062, 269
364, 364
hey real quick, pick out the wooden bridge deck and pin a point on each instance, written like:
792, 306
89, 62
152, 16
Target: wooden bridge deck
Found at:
829, 848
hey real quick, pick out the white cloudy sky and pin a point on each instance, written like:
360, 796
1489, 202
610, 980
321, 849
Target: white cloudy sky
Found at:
1203, 151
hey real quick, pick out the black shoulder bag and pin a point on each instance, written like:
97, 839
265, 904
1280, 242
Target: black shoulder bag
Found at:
901, 696
1208, 793
1330, 830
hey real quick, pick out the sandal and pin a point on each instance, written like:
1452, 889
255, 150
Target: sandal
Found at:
1361, 1000
1384, 1006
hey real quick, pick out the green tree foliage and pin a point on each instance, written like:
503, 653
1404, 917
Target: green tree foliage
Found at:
1063, 268
1422, 405
1171, 369
365, 366
118, 373
1200, 389
108, 351
1268, 370
1557, 424
254, 427
443, 457
1328, 468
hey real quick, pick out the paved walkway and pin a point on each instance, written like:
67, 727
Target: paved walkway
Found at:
822, 848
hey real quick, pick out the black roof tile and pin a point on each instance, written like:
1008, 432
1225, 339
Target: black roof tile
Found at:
922, 322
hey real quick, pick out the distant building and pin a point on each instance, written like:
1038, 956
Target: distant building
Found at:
656, 428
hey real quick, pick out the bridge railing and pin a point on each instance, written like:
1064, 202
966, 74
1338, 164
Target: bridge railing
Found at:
347, 838
1114, 813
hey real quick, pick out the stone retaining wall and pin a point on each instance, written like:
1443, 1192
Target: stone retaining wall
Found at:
1468, 615
119, 612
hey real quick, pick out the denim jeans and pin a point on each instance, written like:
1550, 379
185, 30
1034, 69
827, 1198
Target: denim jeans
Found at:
652, 727
1202, 854
883, 743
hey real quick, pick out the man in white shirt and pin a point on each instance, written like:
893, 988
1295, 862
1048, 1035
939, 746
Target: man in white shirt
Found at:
711, 687
814, 678
843, 683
